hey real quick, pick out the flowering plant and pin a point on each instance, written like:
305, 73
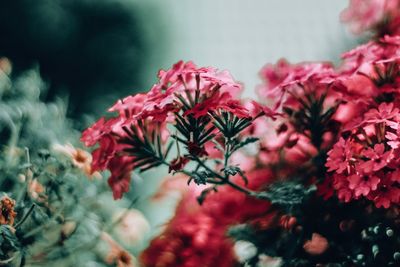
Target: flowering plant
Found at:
202, 106
307, 176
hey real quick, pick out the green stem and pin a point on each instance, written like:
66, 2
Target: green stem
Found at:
227, 154
224, 180
209, 169
25, 216
241, 189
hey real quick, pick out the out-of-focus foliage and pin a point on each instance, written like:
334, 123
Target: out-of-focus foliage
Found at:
54, 211
84, 47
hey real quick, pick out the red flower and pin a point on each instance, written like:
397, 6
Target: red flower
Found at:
196, 150
234, 107
103, 155
119, 181
210, 104
325, 189
178, 164
341, 185
196, 235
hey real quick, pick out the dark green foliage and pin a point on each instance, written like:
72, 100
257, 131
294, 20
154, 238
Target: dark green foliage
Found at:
84, 48
287, 194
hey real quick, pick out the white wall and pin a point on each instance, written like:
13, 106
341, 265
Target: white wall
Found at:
242, 36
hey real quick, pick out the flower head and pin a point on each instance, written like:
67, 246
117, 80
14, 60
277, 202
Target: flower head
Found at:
117, 255
79, 158
363, 161
378, 16
7, 213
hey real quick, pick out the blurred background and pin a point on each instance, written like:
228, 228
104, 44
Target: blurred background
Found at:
92, 52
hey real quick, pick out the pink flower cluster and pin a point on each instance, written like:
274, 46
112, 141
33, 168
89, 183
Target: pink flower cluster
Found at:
345, 119
291, 87
366, 162
284, 83
181, 92
379, 16
363, 131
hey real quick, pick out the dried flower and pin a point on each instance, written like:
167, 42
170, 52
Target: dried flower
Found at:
7, 213
117, 255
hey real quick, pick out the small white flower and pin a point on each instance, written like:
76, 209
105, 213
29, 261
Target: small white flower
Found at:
268, 261
244, 250
132, 228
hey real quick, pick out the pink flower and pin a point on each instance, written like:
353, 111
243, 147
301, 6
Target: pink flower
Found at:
363, 14
141, 120
385, 113
393, 138
273, 75
364, 59
282, 80
167, 77
341, 185
129, 106
388, 193
363, 184
365, 161
377, 158
93, 134
339, 156
380, 16
235, 107
395, 176
256, 109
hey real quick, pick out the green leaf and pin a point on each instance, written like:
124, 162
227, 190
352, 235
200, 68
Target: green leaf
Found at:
8, 240
287, 193
247, 141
